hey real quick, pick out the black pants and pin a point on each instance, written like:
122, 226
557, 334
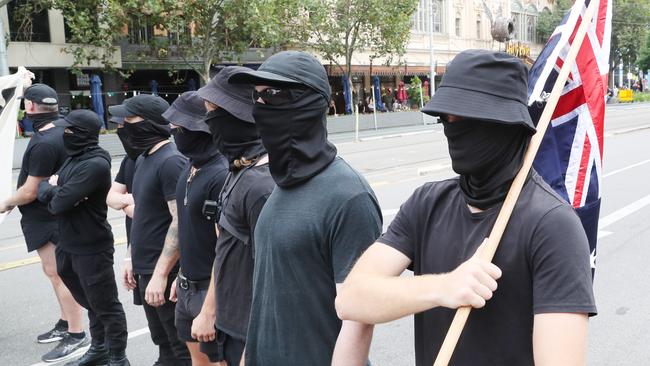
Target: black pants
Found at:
161, 325
91, 280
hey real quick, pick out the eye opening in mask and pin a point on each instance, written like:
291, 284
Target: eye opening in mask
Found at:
277, 96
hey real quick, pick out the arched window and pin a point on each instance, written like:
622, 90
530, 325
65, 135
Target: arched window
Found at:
427, 9
457, 24
478, 26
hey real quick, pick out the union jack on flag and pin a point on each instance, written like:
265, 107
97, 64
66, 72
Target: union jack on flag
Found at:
570, 157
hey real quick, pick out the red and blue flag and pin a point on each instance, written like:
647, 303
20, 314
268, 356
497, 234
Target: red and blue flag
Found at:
571, 155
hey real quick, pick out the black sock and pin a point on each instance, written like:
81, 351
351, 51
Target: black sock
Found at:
77, 335
61, 324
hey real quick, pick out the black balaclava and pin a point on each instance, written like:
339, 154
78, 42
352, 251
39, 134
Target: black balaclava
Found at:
130, 150
41, 119
233, 137
195, 145
145, 134
295, 136
79, 140
487, 155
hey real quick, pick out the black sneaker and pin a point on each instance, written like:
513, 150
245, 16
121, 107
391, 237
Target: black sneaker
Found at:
118, 361
54, 335
68, 348
95, 356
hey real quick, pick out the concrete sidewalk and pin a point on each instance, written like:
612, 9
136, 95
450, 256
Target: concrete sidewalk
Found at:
335, 125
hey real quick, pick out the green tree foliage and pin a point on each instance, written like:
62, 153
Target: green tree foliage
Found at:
415, 90
548, 21
339, 28
644, 56
630, 22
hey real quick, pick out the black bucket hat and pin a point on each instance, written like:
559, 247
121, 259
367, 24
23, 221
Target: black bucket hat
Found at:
486, 85
187, 111
147, 106
236, 99
288, 68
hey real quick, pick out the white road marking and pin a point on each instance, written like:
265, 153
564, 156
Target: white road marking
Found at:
372, 138
626, 168
623, 212
135, 333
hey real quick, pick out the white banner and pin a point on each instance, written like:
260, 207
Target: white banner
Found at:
8, 121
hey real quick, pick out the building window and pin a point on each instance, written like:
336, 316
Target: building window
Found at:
457, 24
525, 22
478, 26
424, 13
140, 32
32, 28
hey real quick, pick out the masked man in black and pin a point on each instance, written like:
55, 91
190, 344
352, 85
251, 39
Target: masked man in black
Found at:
245, 192
201, 181
319, 219
44, 155
120, 198
538, 315
155, 221
84, 254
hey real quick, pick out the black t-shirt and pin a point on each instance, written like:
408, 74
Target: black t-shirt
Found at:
154, 183
79, 203
44, 155
544, 256
125, 176
244, 196
307, 239
197, 236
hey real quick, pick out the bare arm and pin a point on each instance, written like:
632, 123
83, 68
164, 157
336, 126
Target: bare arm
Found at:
27, 193
155, 292
560, 339
118, 197
353, 343
203, 326
374, 292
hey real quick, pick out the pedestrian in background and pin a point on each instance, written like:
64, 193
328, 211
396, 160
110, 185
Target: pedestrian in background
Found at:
321, 216
200, 181
44, 156
241, 200
84, 254
155, 223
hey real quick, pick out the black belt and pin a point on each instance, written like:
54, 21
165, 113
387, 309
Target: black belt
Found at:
186, 284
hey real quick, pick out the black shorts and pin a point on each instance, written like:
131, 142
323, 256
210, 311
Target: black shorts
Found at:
188, 307
39, 233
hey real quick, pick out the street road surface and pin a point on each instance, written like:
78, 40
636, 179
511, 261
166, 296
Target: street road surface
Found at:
395, 162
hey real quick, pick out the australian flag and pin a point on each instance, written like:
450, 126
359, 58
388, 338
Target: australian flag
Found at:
570, 157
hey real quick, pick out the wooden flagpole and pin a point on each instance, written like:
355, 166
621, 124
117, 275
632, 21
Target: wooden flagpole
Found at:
457, 325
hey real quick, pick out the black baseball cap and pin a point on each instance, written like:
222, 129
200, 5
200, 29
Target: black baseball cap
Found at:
288, 68
187, 111
235, 99
81, 118
41, 94
147, 106
486, 85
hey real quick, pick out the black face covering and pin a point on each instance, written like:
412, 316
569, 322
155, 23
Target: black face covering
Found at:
295, 135
196, 145
41, 119
233, 137
78, 140
487, 155
145, 134
130, 150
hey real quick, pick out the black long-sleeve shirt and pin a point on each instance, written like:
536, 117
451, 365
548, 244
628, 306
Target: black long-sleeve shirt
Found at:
79, 202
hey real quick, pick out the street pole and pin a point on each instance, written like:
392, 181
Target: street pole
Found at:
422, 104
432, 64
4, 67
374, 104
356, 123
